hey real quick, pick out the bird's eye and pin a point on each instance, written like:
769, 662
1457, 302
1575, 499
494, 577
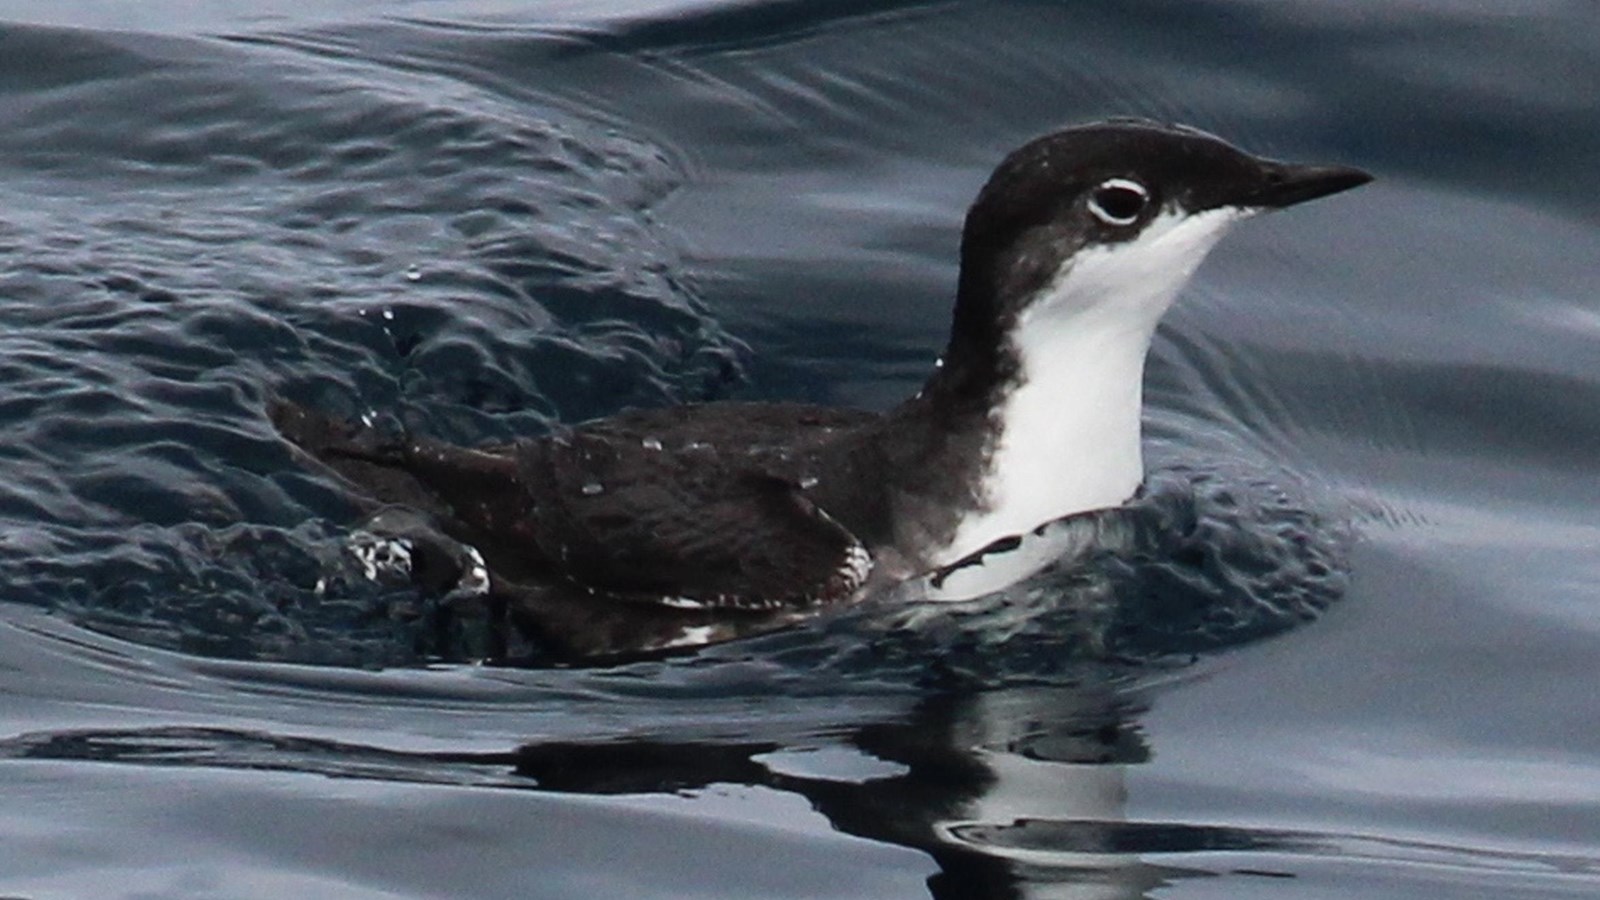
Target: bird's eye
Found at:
1118, 201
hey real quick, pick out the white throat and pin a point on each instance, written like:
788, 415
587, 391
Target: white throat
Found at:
1069, 438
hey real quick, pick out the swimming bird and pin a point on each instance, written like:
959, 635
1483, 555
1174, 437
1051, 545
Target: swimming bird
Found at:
663, 528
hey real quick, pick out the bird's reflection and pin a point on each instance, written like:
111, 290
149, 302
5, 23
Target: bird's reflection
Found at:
1014, 793
1017, 793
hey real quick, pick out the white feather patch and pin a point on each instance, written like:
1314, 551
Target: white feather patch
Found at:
1070, 432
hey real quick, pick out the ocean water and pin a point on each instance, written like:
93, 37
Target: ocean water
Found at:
1353, 651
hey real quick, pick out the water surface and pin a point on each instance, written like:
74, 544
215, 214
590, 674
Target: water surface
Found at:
1353, 662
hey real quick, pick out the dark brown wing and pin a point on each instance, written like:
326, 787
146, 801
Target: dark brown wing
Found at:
696, 507
685, 524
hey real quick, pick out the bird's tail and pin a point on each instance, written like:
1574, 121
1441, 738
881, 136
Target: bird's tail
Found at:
326, 438
392, 468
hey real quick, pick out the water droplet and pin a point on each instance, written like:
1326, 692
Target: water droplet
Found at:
808, 482
591, 488
414, 273
388, 314
650, 443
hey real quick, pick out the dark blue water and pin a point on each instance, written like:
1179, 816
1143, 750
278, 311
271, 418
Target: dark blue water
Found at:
1355, 652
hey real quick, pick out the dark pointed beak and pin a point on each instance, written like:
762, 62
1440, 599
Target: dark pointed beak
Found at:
1285, 184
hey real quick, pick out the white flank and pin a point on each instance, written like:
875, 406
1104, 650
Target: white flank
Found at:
1070, 432
475, 580
691, 636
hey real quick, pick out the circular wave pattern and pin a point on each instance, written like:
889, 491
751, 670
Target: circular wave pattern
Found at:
386, 233
1201, 562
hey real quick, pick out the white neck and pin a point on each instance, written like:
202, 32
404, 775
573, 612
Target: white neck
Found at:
1069, 438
